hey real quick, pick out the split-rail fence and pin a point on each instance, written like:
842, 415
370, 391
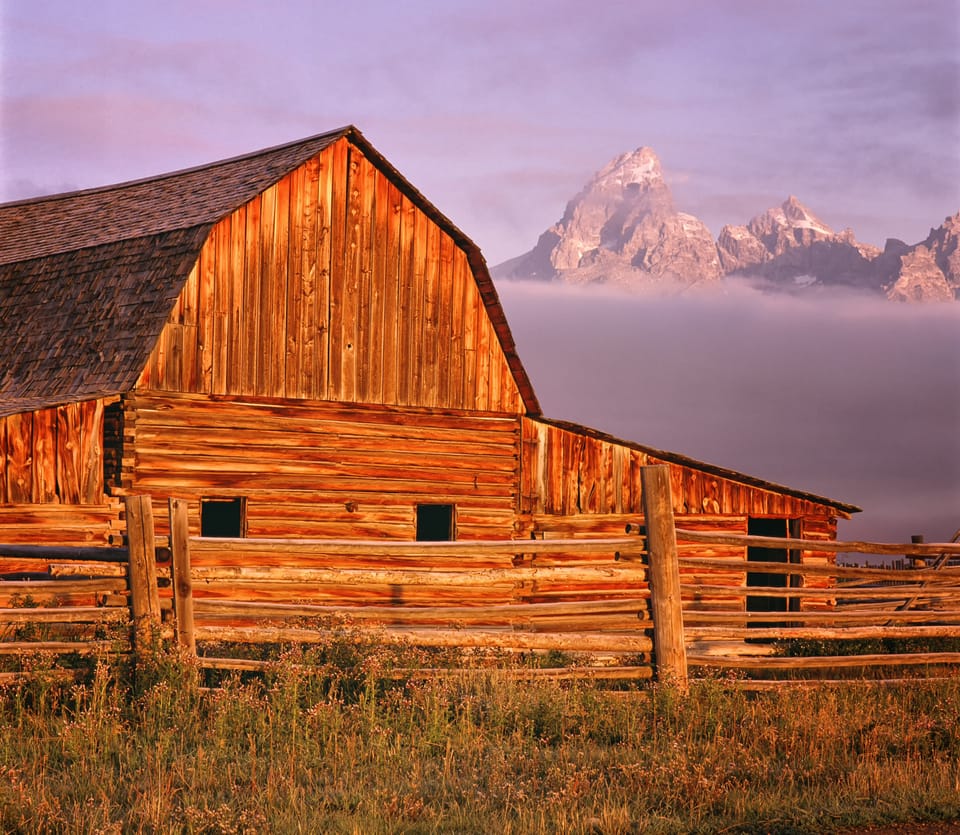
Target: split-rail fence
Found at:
677, 606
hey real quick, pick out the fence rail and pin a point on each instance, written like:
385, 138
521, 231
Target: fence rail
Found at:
635, 602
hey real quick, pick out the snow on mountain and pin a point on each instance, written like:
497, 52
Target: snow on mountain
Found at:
623, 228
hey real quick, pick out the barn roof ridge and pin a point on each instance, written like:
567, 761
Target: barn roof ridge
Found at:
178, 172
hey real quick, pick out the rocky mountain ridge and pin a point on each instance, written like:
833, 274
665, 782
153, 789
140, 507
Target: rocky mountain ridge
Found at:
624, 229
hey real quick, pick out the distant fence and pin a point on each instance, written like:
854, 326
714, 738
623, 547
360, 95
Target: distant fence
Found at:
637, 604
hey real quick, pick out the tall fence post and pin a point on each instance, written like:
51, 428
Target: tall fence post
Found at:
144, 593
668, 645
182, 581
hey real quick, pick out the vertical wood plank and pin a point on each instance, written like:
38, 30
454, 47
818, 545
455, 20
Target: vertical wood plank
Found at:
484, 346
206, 312
190, 367
409, 303
380, 287
458, 303
445, 343
20, 458
367, 363
44, 455
221, 306
268, 288
429, 241
665, 603
326, 172
91, 452
182, 581
305, 230
250, 343
339, 294
276, 315
389, 211
295, 298
68, 453
470, 340
350, 303
3, 460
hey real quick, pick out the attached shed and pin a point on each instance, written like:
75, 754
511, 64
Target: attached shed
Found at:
300, 344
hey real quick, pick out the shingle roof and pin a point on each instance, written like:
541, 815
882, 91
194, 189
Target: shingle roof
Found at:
87, 279
179, 200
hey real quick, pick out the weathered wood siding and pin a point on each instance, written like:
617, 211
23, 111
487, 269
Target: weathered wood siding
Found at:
576, 484
53, 456
568, 473
324, 470
333, 285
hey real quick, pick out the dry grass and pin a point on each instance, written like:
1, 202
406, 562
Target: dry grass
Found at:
343, 747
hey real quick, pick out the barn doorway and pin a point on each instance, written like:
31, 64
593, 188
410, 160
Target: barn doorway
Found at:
781, 528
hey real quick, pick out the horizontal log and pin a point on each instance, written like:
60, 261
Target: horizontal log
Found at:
838, 593
833, 616
820, 662
63, 647
805, 569
31, 587
99, 569
505, 639
758, 684
633, 673
92, 553
64, 614
932, 549
533, 611
30, 675
412, 577
421, 550
822, 633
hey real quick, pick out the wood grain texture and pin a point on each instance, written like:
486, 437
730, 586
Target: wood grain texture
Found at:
334, 284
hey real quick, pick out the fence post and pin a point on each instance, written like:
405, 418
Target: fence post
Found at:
144, 594
182, 581
669, 649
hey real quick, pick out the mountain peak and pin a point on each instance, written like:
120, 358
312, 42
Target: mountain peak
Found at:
640, 167
623, 228
799, 216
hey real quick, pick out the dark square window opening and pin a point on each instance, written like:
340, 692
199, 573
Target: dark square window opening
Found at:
222, 517
435, 522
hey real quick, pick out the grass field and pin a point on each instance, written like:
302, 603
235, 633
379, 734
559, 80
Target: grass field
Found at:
344, 747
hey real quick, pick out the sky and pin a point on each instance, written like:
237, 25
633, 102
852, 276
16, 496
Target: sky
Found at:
499, 112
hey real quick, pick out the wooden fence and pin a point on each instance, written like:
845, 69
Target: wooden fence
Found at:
632, 604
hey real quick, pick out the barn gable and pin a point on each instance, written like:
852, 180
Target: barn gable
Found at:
336, 283
96, 292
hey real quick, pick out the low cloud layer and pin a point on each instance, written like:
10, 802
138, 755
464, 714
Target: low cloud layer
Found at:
848, 397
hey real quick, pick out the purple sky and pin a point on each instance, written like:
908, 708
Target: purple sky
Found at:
500, 111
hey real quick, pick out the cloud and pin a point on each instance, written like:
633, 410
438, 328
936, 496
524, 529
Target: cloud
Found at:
841, 395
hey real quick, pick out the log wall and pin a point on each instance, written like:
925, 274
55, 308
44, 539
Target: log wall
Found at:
333, 285
53, 456
57, 524
323, 470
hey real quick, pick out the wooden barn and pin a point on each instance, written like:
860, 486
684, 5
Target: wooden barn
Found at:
301, 345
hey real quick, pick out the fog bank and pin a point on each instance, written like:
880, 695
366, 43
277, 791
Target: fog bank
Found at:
853, 398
